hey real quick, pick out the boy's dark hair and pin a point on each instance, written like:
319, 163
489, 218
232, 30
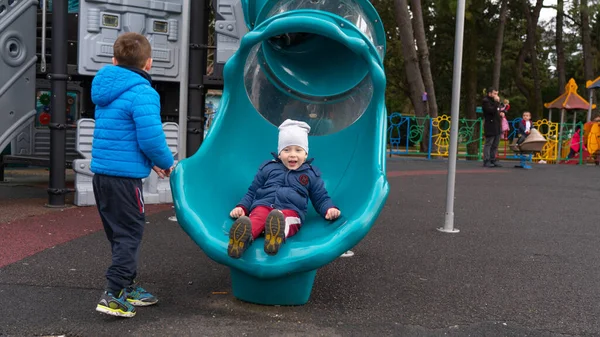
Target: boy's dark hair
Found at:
132, 49
490, 89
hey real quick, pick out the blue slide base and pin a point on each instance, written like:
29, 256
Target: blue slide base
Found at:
293, 289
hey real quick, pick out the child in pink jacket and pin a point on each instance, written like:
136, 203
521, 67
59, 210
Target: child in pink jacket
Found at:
575, 141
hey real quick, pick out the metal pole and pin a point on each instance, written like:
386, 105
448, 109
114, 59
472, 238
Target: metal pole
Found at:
430, 138
454, 120
560, 132
43, 50
581, 133
589, 114
184, 79
198, 60
58, 119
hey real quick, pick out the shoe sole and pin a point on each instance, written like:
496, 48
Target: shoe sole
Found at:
139, 303
114, 312
239, 237
274, 232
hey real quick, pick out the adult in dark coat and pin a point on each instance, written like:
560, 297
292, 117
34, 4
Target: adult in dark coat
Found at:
492, 127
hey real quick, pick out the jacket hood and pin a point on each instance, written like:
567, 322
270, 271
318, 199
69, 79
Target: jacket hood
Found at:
112, 81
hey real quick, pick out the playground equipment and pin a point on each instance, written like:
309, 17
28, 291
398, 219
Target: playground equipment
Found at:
591, 85
101, 22
569, 100
308, 60
592, 139
17, 68
56, 56
155, 190
532, 144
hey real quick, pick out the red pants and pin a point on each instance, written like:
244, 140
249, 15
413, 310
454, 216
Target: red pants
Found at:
258, 217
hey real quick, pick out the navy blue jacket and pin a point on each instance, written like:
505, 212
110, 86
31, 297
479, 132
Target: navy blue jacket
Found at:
128, 136
521, 127
278, 187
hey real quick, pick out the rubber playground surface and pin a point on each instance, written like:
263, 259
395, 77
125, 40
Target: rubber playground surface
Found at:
525, 263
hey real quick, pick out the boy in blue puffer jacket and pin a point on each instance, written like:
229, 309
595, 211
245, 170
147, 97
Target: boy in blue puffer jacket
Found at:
277, 200
128, 142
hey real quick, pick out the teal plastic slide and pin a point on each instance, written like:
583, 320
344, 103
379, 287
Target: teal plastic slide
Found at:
320, 61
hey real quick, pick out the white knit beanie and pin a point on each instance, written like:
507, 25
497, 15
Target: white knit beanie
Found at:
293, 132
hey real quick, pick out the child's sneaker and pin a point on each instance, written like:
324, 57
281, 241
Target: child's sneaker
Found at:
240, 237
274, 232
139, 297
115, 305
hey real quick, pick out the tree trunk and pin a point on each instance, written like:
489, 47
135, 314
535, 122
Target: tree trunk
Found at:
533, 94
537, 108
470, 80
519, 80
560, 47
498, 47
411, 62
423, 50
588, 71
411, 65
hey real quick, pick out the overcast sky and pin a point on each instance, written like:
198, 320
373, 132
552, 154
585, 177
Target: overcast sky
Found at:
547, 13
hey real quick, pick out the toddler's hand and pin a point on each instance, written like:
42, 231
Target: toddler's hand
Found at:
332, 214
236, 212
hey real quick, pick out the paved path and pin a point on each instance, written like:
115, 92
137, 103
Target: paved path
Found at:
524, 264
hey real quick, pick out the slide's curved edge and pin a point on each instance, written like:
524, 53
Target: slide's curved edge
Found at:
300, 256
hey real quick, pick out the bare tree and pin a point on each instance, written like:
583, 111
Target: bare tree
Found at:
423, 51
409, 53
560, 46
588, 70
528, 51
470, 75
499, 42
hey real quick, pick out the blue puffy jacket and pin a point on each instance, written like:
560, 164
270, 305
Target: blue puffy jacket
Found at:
128, 136
278, 187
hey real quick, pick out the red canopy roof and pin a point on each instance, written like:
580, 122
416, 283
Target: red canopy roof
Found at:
570, 100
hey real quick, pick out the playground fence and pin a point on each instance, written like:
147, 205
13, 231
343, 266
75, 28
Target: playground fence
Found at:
409, 135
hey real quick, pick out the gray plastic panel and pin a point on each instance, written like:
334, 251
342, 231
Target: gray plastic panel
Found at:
230, 30
17, 67
85, 134
21, 144
155, 189
172, 133
102, 21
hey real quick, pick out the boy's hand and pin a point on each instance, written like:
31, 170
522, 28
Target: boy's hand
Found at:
161, 173
169, 170
236, 212
332, 214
